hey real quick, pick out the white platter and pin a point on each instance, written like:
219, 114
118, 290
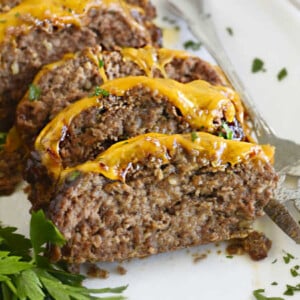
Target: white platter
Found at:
266, 29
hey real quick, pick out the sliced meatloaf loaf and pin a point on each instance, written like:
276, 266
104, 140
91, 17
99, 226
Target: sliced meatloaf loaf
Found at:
156, 193
34, 33
128, 107
77, 75
61, 83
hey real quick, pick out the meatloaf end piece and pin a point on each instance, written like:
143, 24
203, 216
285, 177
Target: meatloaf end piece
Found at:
39, 32
156, 193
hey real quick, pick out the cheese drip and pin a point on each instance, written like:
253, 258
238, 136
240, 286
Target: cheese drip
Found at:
199, 102
115, 162
61, 13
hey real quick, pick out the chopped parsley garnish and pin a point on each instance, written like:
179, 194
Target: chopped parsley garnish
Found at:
226, 132
100, 63
229, 30
34, 92
282, 74
229, 256
258, 295
74, 175
294, 271
3, 136
17, 14
194, 136
274, 261
27, 277
274, 283
290, 290
2, 21
288, 257
192, 45
100, 92
257, 65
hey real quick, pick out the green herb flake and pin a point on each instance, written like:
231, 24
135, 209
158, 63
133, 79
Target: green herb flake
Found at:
3, 21
34, 92
177, 28
192, 45
17, 14
282, 74
294, 272
288, 257
274, 283
100, 92
258, 295
229, 256
257, 65
194, 136
226, 132
274, 261
290, 290
74, 175
229, 30
3, 136
100, 63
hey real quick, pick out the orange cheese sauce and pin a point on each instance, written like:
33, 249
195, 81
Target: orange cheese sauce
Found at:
117, 160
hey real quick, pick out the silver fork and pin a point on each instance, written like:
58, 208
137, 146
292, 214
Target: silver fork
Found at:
287, 157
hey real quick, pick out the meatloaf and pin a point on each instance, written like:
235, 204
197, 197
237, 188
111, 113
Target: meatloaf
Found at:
59, 84
77, 75
156, 193
34, 33
128, 107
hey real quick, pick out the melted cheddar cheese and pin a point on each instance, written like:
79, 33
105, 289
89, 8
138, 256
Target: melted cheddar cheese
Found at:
60, 13
115, 162
199, 102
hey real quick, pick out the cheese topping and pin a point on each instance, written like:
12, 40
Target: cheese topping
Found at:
32, 13
115, 162
199, 102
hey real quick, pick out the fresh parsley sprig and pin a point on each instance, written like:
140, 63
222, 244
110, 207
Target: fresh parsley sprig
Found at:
25, 274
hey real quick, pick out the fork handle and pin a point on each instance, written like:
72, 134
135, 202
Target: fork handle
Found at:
262, 129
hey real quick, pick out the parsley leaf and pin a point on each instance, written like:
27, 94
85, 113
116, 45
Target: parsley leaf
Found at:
26, 278
282, 74
257, 65
34, 92
290, 290
288, 257
258, 295
192, 45
98, 92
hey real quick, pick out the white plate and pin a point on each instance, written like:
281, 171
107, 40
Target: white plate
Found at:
266, 29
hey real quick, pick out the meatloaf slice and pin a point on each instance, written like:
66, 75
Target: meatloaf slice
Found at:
156, 193
39, 32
